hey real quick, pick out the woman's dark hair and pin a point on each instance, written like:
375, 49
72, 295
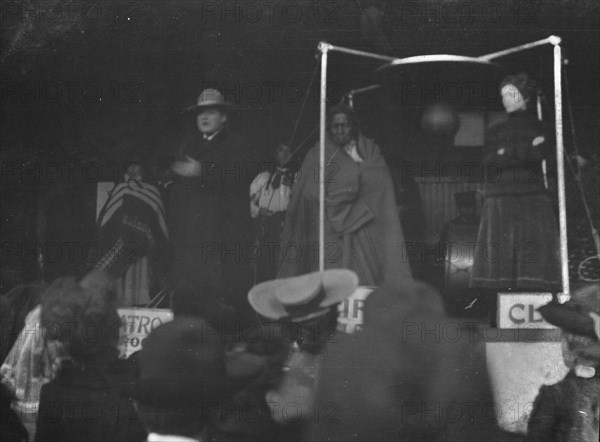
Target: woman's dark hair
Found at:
342, 108
102, 283
83, 319
526, 85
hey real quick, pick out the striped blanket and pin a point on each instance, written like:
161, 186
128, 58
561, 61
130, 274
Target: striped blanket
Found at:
131, 222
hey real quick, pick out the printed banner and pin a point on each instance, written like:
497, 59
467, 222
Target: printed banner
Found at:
350, 317
137, 324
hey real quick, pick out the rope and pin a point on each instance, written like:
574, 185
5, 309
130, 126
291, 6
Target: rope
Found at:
310, 83
577, 173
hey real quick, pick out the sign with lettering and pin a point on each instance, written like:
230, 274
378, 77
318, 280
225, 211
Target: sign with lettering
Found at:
350, 318
519, 310
137, 323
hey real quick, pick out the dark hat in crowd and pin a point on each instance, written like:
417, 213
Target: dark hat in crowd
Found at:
181, 362
465, 199
575, 315
210, 98
526, 85
302, 297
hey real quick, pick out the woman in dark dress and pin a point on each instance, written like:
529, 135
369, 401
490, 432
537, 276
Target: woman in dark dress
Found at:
517, 246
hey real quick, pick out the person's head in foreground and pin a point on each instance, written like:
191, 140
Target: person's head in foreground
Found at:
306, 305
181, 378
402, 378
83, 318
568, 409
579, 319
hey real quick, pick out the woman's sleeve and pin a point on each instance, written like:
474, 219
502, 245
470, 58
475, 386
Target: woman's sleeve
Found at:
515, 145
538, 145
493, 147
255, 188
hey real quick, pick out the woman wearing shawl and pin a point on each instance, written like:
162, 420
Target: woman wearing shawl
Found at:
132, 236
362, 228
33, 360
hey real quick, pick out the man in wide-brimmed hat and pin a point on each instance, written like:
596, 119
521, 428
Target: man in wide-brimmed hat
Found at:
209, 218
306, 306
568, 410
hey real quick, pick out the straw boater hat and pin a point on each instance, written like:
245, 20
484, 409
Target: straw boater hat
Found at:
579, 315
210, 98
302, 297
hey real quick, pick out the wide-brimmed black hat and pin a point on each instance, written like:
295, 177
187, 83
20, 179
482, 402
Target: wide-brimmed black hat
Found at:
210, 98
303, 297
181, 362
575, 315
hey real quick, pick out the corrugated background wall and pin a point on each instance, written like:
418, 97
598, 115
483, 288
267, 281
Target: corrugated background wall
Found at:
437, 200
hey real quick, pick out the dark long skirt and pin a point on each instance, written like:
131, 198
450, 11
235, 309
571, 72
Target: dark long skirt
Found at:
517, 245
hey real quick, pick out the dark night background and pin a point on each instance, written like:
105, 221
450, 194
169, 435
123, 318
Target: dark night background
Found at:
87, 86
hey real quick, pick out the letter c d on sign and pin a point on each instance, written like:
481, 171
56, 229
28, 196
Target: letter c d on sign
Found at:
512, 317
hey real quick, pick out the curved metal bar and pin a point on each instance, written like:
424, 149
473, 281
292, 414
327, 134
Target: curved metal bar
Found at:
553, 39
438, 58
484, 59
330, 47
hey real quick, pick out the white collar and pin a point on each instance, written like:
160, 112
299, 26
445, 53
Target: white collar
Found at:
211, 136
584, 371
155, 437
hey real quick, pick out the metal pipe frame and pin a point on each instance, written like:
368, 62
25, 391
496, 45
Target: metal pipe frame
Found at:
554, 40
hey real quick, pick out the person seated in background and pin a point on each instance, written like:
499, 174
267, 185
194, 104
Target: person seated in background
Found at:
87, 399
456, 257
269, 198
570, 409
181, 381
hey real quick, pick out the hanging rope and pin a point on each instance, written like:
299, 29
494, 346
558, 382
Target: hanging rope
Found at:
577, 173
303, 142
310, 83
